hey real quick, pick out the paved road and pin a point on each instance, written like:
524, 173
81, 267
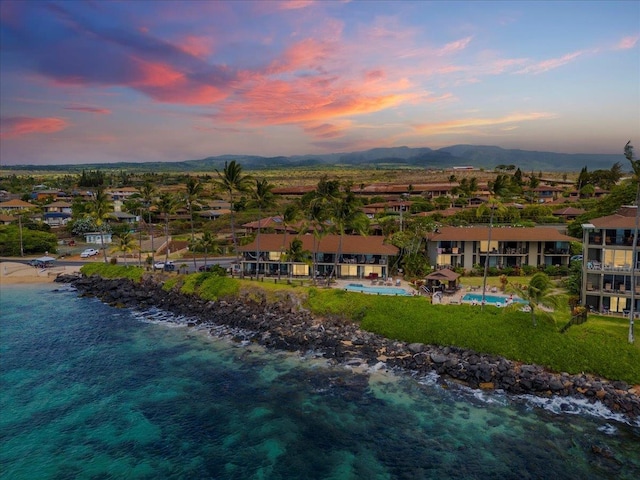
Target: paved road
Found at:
222, 261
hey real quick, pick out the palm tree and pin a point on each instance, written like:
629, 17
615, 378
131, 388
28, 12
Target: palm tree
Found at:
344, 215
635, 166
166, 205
100, 210
317, 216
207, 243
497, 188
147, 194
191, 198
262, 198
125, 245
289, 216
539, 293
232, 180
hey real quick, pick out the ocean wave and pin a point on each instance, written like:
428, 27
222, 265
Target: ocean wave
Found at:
575, 406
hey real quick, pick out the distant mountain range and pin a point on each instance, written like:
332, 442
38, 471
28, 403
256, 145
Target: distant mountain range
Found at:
478, 156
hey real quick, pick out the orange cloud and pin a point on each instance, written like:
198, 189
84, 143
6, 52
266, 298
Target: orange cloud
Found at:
469, 124
11, 127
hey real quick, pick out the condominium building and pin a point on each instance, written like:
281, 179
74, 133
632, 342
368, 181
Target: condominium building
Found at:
509, 247
608, 263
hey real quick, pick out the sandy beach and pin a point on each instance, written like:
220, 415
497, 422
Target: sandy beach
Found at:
12, 273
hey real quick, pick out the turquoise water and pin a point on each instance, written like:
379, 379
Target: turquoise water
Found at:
490, 299
359, 287
92, 392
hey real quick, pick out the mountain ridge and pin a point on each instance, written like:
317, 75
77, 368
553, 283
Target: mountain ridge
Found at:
478, 156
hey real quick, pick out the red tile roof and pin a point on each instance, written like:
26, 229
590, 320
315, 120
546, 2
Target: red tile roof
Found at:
351, 244
624, 219
501, 234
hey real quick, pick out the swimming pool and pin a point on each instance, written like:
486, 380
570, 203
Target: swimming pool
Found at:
490, 299
359, 287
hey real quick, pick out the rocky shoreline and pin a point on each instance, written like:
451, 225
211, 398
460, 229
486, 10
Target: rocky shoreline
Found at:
285, 325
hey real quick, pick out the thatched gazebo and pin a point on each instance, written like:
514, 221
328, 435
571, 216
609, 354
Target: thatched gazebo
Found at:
445, 280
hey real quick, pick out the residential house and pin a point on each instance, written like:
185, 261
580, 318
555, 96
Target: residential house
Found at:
15, 205
358, 257
545, 193
569, 213
94, 237
57, 214
510, 247
124, 217
269, 223
6, 219
607, 262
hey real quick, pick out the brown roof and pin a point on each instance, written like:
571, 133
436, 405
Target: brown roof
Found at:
569, 211
59, 204
16, 203
623, 219
351, 244
444, 274
501, 234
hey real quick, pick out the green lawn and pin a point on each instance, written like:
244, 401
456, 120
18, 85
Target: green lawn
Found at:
598, 346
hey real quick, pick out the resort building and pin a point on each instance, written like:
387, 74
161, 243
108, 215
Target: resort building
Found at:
357, 257
607, 263
510, 247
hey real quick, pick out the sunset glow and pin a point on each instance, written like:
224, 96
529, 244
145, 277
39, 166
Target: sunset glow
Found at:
87, 82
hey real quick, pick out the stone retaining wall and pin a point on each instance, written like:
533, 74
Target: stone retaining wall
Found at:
285, 325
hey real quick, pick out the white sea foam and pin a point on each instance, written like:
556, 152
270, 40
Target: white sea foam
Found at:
575, 406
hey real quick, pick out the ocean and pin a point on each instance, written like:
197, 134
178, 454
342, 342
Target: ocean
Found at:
88, 391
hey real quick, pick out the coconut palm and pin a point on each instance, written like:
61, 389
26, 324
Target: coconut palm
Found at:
207, 243
148, 194
635, 166
289, 216
346, 214
498, 188
100, 209
317, 217
125, 244
539, 293
262, 197
166, 205
232, 180
191, 198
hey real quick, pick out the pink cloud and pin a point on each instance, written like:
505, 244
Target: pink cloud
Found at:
165, 84
627, 43
454, 47
551, 64
196, 46
324, 130
294, 4
18, 126
102, 111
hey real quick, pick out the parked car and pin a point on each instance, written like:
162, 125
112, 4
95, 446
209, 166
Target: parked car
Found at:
167, 267
89, 252
205, 268
576, 258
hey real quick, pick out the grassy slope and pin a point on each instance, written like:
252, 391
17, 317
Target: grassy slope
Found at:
598, 346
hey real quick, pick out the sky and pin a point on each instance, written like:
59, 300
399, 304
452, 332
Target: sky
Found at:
138, 81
